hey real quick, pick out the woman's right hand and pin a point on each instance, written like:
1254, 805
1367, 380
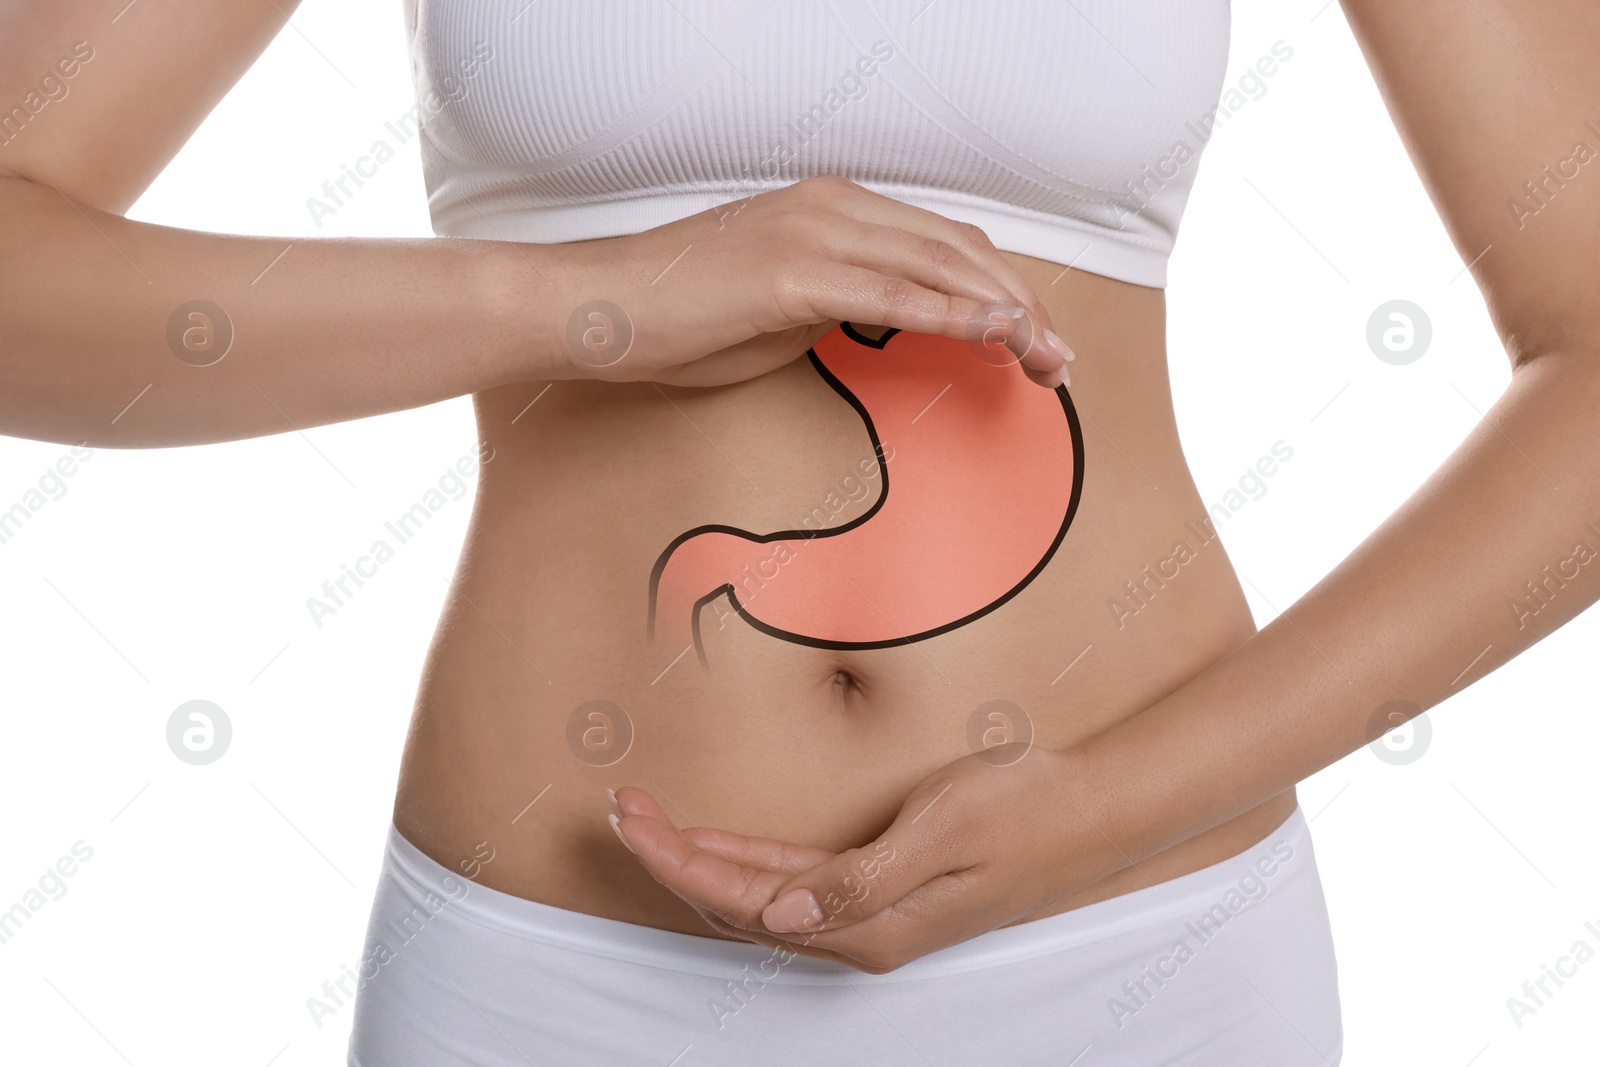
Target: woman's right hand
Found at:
729, 294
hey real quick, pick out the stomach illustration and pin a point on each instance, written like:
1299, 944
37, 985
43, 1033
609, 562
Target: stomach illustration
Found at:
979, 473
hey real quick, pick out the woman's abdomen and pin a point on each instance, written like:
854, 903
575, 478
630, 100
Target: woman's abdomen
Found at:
779, 605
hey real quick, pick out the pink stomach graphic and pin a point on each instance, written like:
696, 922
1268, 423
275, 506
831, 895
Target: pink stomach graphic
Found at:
981, 482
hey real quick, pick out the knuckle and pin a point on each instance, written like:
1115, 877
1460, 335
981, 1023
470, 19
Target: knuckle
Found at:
942, 254
790, 290
898, 293
975, 235
825, 186
956, 308
793, 225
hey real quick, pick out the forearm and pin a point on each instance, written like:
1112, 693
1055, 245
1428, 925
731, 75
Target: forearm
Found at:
96, 349
1427, 604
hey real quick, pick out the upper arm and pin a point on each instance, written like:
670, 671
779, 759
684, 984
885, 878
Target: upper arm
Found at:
97, 96
1490, 96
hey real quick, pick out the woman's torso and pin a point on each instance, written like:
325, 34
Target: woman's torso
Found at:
589, 486
544, 685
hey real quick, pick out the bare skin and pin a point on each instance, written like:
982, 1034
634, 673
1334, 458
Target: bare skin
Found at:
584, 489
1181, 748
776, 739
328, 330
1484, 560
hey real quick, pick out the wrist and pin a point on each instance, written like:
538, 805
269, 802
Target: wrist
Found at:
1143, 774
526, 295
1090, 826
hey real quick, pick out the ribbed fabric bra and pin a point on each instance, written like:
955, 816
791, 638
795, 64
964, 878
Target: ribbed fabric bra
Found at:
1068, 131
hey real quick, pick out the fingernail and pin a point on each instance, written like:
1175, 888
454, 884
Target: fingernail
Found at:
792, 912
611, 794
616, 828
1059, 345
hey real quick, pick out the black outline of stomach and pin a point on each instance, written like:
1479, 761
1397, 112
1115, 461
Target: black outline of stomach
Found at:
728, 589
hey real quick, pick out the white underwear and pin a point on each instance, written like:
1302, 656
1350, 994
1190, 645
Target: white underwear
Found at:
1230, 965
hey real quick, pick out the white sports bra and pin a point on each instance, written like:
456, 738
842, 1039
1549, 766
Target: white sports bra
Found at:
1069, 130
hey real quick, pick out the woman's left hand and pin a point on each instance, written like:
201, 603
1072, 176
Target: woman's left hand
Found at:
978, 844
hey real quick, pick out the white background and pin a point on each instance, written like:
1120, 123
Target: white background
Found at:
220, 898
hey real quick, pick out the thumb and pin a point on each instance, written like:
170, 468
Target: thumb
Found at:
862, 882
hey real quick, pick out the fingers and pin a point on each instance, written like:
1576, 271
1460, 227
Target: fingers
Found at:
928, 261
927, 918
762, 852
918, 848
730, 879
818, 250
860, 294
838, 220
969, 239
1044, 361
920, 226
941, 267
871, 922
705, 879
